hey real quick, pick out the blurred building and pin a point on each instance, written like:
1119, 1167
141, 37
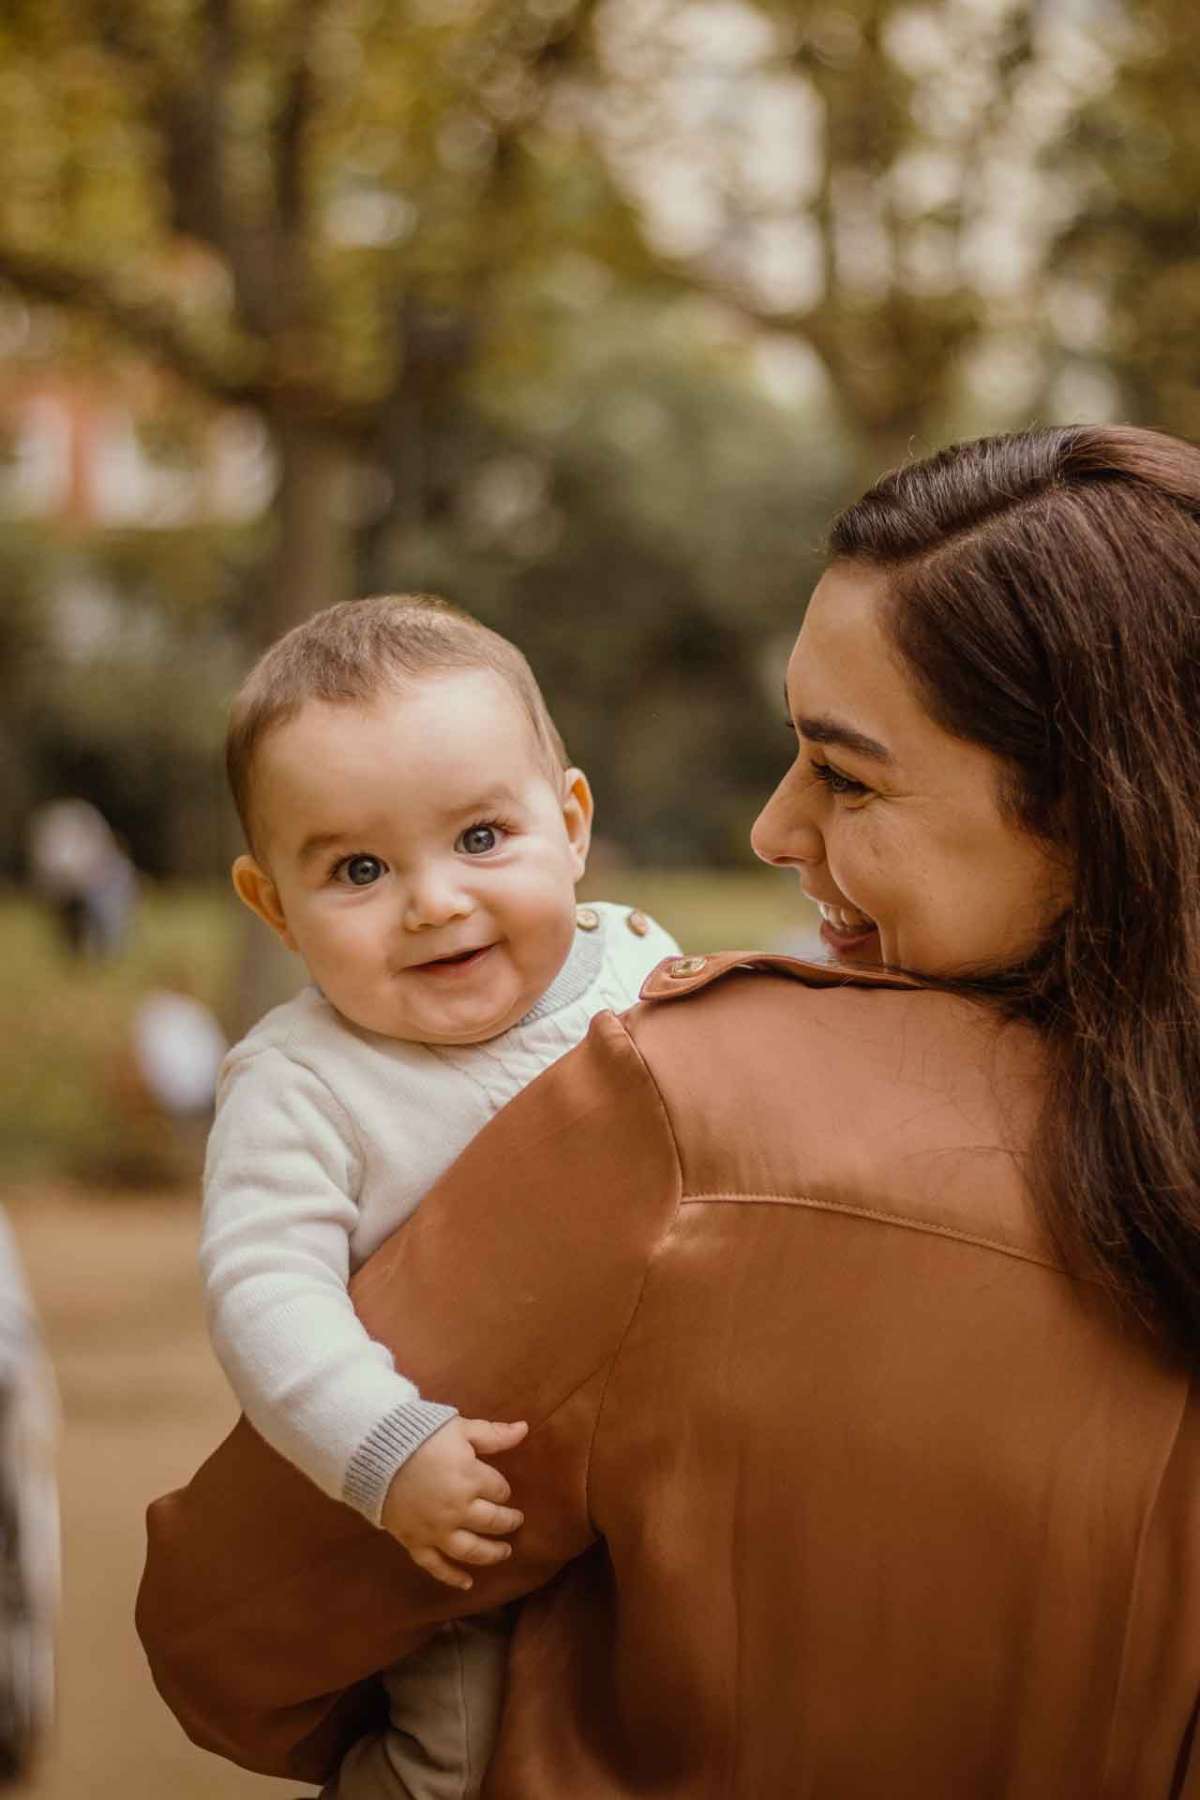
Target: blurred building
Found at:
93, 449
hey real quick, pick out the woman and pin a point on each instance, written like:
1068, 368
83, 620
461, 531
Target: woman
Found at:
855, 1307
1037, 598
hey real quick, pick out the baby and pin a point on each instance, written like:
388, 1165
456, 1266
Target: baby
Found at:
415, 834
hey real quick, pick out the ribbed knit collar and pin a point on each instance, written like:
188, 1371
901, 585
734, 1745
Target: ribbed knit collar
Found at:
574, 978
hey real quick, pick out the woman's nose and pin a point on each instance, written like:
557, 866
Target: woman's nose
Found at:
783, 834
434, 896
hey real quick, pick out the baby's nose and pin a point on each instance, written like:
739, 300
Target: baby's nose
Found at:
434, 898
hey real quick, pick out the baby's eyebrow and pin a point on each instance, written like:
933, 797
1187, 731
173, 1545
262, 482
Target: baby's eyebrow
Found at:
320, 840
491, 800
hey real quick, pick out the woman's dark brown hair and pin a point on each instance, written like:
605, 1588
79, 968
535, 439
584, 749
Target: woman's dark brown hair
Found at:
1045, 597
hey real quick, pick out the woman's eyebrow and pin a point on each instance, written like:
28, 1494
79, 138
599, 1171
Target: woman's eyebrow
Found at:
824, 730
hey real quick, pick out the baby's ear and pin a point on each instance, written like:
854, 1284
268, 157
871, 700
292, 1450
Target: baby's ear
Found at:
255, 889
577, 809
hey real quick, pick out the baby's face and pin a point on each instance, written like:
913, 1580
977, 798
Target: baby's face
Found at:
420, 856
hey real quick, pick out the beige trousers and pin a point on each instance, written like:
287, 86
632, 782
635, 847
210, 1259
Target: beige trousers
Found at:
443, 1716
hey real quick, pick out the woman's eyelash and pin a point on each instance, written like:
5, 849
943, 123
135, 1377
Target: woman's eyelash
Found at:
835, 781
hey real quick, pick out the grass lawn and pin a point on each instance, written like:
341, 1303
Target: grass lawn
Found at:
64, 1025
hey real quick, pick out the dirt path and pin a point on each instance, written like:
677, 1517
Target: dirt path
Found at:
142, 1402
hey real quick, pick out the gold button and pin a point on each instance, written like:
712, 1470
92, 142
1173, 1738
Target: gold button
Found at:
687, 965
587, 918
638, 923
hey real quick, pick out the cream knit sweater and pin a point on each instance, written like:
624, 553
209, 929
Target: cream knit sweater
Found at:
326, 1139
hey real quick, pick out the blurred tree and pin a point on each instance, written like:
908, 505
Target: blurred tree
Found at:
874, 179
512, 285
116, 662
309, 209
1129, 263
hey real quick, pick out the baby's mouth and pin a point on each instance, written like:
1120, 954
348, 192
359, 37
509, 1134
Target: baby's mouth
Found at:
457, 959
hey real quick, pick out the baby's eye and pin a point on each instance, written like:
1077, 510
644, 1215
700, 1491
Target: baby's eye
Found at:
836, 782
477, 840
359, 871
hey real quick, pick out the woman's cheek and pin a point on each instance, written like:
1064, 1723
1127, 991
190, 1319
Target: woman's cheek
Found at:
880, 889
856, 862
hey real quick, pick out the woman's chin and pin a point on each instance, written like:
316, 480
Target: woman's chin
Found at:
852, 946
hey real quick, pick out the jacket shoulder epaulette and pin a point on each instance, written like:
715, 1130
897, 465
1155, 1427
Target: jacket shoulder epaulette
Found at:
677, 976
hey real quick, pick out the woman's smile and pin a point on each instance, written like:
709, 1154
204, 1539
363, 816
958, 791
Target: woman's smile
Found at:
846, 932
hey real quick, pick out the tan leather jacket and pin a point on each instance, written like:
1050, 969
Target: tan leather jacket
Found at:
837, 1485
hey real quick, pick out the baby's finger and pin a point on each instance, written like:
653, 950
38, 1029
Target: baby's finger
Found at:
481, 1515
464, 1546
435, 1564
491, 1484
489, 1437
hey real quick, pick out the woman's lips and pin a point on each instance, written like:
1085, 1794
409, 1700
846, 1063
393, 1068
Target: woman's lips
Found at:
844, 943
844, 931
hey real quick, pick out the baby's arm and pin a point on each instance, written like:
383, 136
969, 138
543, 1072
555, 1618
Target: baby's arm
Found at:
283, 1167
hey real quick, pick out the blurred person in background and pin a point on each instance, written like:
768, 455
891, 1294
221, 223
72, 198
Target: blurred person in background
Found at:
167, 1072
854, 1307
81, 871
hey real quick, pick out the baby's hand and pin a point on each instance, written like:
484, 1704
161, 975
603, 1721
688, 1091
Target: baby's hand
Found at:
444, 1503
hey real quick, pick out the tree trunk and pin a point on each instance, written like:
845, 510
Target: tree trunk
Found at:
312, 562
310, 567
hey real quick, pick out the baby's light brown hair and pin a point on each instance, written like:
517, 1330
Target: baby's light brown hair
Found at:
356, 650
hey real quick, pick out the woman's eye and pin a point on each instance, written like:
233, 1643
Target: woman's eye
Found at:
477, 840
360, 871
836, 782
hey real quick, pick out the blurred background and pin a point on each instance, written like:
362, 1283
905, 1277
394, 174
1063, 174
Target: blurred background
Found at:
585, 313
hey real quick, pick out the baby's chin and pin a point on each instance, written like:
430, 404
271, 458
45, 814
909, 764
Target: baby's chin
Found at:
378, 1023
482, 1034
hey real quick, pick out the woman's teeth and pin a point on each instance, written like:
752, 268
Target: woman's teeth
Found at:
842, 919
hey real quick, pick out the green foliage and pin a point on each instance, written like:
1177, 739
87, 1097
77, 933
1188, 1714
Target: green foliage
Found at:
65, 1027
252, 194
1134, 250
117, 657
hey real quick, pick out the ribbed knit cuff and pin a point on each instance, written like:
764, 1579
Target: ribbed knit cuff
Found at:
386, 1448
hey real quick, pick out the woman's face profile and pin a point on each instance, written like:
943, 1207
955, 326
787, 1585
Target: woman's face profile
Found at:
895, 828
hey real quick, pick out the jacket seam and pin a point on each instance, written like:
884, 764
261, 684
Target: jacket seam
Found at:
1134, 1584
901, 1220
651, 1259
